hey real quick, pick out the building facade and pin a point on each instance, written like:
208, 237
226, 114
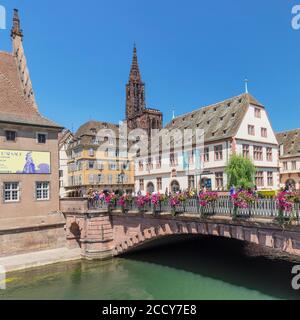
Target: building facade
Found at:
95, 161
238, 125
289, 158
29, 205
64, 139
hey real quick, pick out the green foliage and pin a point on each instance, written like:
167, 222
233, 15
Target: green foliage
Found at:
240, 172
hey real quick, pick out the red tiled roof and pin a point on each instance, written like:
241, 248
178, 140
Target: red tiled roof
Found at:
14, 107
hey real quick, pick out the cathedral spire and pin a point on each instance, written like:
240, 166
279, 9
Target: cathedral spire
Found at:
134, 71
16, 30
135, 90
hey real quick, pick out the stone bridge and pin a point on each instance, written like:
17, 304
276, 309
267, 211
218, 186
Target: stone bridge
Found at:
102, 234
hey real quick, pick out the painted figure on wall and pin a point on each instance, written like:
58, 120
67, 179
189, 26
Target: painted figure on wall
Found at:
29, 165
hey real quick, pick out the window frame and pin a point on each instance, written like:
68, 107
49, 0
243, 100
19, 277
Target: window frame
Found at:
251, 130
259, 177
270, 179
218, 152
42, 189
206, 154
269, 154
257, 150
264, 132
257, 113
11, 190
246, 150
45, 134
219, 179
15, 133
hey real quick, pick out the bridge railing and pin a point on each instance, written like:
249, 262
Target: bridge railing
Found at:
223, 206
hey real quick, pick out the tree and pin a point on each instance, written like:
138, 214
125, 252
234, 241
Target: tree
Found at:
240, 172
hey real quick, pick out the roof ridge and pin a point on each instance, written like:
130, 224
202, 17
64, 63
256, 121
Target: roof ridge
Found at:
285, 131
7, 53
209, 105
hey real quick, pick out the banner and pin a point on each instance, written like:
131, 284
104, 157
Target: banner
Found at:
185, 160
24, 162
198, 164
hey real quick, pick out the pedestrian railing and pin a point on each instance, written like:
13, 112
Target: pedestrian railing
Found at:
223, 206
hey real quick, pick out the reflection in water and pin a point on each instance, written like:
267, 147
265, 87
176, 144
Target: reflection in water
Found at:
198, 268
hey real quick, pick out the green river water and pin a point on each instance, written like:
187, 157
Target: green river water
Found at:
196, 268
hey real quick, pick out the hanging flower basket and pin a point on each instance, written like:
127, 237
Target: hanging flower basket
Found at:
285, 203
242, 200
207, 200
125, 202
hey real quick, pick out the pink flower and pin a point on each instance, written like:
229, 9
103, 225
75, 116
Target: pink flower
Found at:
208, 197
242, 199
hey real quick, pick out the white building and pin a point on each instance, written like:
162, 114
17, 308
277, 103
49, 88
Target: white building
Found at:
239, 124
289, 158
64, 139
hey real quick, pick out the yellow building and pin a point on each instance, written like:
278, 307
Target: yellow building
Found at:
97, 159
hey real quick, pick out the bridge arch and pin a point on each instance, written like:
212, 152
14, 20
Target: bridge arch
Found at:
130, 240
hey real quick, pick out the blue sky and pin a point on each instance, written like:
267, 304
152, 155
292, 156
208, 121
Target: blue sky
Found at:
191, 53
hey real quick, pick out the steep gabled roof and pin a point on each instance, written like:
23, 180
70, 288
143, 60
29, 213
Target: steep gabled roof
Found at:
219, 121
64, 136
290, 141
14, 107
93, 125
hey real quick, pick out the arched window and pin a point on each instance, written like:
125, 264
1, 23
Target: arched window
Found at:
291, 183
175, 186
150, 187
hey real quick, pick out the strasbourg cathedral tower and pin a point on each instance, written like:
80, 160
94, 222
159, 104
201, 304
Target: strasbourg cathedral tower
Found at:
137, 115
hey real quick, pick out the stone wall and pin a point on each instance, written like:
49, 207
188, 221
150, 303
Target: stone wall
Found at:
28, 239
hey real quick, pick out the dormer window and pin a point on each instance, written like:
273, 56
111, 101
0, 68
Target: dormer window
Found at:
257, 113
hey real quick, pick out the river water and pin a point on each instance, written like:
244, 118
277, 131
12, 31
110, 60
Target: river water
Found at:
192, 268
